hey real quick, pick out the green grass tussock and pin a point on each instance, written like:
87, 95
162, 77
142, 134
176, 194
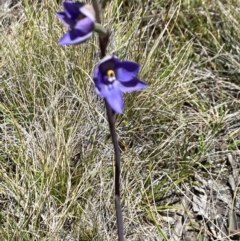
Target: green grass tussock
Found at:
179, 138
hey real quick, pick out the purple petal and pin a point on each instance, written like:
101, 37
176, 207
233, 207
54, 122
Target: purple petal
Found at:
115, 99
65, 19
74, 36
88, 11
126, 70
98, 79
85, 25
133, 85
111, 58
72, 9
113, 96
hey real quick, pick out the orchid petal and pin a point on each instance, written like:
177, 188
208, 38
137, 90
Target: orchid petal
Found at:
133, 85
98, 80
113, 96
88, 11
85, 25
74, 36
109, 58
65, 19
126, 70
72, 9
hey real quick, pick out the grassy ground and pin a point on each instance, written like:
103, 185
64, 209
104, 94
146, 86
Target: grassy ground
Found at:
180, 137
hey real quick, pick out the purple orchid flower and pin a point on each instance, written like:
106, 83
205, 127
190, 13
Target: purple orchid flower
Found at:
112, 77
80, 18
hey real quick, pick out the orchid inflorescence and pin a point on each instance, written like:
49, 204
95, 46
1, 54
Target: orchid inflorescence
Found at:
112, 77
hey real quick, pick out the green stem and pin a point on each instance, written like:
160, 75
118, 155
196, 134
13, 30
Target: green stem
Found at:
100, 29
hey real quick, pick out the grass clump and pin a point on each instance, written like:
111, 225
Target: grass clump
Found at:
179, 137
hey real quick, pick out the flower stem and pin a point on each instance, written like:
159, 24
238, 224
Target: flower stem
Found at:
111, 122
103, 42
